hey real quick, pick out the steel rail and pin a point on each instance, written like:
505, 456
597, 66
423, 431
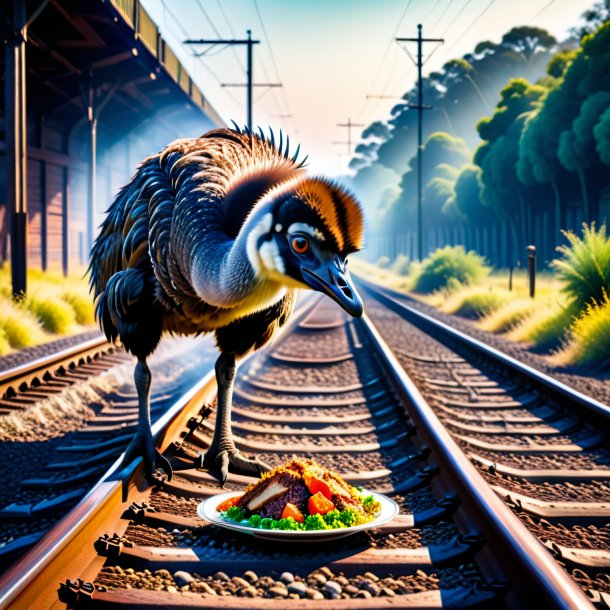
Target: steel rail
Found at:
539, 575
63, 551
26, 372
535, 575
557, 389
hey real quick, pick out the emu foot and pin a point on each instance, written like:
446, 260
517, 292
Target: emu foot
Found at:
217, 461
143, 446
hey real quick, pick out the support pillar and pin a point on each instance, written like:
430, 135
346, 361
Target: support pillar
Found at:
16, 148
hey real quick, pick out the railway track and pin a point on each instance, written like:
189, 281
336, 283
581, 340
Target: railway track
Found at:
61, 428
332, 389
541, 445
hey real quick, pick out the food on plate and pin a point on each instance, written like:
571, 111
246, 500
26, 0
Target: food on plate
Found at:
300, 495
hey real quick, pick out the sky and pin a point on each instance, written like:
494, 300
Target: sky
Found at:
329, 55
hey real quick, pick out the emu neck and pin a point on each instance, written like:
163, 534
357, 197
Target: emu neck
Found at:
226, 272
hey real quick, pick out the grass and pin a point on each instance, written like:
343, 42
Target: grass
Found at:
54, 305
588, 342
507, 315
545, 327
569, 318
20, 327
475, 301
450, 265
55, 314
584, 266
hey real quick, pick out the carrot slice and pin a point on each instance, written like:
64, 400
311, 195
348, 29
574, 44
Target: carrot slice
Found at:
316, 485
318, 504
290, 510
227, 504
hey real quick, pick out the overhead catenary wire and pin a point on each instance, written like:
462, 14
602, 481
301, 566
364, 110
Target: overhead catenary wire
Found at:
239, 61
383, 59
274, 64
541, 11
199, 63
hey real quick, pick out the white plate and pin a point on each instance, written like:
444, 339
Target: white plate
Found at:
207, 510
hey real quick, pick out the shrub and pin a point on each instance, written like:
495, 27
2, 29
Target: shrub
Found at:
588, 343
545, 327
585, 266
448, 265
475, 302
383, 262
81, 302
508, 315
5, 346
401, 265
56, 315
18, 325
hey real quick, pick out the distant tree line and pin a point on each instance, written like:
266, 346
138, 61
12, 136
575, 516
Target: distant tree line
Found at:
536, 163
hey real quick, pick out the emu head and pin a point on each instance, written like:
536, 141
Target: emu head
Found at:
312, 226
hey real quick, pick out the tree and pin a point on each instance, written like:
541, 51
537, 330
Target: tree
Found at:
527, 41
602, 137
576, 150
497, 157
585, 75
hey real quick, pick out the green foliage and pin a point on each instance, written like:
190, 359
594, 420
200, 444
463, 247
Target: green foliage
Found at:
19, 326
5, 346
401, 265
466, 196
54, 313
477, 302
602, 137
81, 302
507, 316
584, 266
545, 328
589, 334
450, 264
560, 62
576, 145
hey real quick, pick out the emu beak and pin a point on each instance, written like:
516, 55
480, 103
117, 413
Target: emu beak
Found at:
332, 278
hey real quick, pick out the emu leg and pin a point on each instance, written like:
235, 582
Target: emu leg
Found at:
222, 451
143, 444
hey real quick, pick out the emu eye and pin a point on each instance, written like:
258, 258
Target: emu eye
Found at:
300, 244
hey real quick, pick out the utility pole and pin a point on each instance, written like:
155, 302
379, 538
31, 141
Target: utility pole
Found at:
420, 116
349, 126
249, 68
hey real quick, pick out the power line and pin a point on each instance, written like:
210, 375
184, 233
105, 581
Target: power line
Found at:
249, 43
469, 25
541, 11
456, 17
349, 126
385, 54
420, 113
213, 26
273, 62
442, 15
185, 34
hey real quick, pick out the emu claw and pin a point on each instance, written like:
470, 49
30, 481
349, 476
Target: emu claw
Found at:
162, 463
218, 463
144, 447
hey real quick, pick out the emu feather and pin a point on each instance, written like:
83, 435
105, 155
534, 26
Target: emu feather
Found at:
214, 234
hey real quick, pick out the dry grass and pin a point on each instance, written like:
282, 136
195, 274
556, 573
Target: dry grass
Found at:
588, 341
475, 301
54, 305
508, 315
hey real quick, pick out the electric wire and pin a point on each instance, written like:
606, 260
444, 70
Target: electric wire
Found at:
186, 35
275, 67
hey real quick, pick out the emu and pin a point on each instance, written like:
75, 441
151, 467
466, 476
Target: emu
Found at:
214, 234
